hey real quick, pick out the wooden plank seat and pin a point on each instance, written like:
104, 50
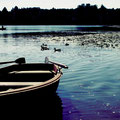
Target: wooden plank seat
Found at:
31, 72
20, 83
8, 86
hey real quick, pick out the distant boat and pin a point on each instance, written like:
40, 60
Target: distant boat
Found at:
2, 28
30, 78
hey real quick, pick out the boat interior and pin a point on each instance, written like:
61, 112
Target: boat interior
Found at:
27, 73
21, 75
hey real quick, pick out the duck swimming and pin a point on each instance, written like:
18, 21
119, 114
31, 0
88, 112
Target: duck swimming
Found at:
57, 50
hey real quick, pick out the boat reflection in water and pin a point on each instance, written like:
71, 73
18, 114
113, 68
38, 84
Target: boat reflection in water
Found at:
32, 106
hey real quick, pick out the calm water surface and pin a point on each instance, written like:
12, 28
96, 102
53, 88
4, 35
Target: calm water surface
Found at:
43, 28
90, 88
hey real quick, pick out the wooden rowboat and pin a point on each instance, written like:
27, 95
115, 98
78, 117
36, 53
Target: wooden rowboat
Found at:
30, 78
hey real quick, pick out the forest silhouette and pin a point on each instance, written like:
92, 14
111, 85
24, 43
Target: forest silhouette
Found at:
84, 14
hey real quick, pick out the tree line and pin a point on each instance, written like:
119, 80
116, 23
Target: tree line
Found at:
84, 14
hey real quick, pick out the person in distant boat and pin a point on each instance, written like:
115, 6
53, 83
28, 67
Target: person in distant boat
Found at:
2, 28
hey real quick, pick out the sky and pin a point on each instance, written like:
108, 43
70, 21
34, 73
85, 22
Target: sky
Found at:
48, 4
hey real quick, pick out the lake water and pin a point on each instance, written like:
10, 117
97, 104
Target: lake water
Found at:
90, 88
44, 28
